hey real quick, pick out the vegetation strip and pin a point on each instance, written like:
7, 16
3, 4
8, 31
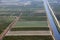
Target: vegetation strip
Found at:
28, 38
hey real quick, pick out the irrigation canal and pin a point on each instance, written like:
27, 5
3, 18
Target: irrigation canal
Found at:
53, 26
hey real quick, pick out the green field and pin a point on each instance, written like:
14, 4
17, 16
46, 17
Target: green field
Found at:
30, 25
32, 13
39, 14
33, 18
4, 22
25, 13
31, 29
9, 13
28, 38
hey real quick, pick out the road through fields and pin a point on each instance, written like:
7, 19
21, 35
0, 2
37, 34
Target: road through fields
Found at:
9, 27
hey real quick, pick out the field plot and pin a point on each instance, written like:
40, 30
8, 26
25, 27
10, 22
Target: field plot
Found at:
56, 9
28, 38
33, 18
40, 12
32, 22
4, 22
30, 25
9, 13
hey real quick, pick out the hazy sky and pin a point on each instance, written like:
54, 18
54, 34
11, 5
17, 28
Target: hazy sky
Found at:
14, 2
10, 0
17, 2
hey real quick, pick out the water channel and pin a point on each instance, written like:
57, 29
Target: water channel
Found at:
53, 26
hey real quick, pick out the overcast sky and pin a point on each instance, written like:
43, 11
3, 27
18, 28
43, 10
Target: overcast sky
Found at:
14, 2
10, 0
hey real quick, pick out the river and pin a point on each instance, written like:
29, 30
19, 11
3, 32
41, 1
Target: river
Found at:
53, 26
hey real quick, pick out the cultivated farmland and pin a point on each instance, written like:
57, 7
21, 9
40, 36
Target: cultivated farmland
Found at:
4, 22
32, 22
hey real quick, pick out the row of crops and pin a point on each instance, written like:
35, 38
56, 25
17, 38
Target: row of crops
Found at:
28, 38
33, 18
30, 26
31, 21
25, 13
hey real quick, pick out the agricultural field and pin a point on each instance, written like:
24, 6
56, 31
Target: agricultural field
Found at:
31, 21
4, 22
33, 18
9, 13
30, 25
14, 10
28, 38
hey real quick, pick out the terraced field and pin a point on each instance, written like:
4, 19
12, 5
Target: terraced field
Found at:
32, 23
28, 38
9, 13
33, 18
27, 25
